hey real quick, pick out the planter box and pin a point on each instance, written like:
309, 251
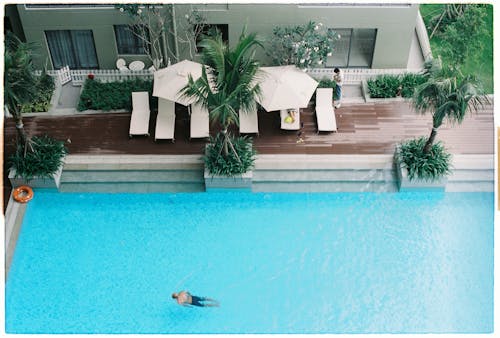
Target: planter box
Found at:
37, 183
224, 183
404, 183
369, 99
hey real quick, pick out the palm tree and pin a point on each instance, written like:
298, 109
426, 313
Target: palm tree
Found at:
449, 95
19, 80
229, 85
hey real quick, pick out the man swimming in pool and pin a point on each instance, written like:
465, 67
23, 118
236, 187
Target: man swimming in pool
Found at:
184, 298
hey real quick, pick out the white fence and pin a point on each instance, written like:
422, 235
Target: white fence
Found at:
78, 76
357, 75
351, 75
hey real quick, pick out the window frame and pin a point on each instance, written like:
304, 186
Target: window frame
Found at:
72, 47
350, 48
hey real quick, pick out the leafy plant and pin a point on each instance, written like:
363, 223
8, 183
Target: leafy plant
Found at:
389, 86
113, 95
237, 162
43, 160
19, 83
409, 82
430, 166
448, 94
232, 87
304, 46
461, 40
384, 86
44, 89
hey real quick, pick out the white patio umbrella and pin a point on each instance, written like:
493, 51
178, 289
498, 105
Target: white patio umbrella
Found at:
285, 87
170, 80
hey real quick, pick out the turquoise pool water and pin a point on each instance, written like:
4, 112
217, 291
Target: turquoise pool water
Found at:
278, 263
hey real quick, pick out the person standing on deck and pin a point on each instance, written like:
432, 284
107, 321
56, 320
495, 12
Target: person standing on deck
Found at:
338, 77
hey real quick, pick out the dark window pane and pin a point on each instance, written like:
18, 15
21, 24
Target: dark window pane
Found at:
129, 39
354, 48
73, 48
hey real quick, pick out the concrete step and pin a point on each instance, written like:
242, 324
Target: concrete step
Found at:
74, 176
132, 187
334, 175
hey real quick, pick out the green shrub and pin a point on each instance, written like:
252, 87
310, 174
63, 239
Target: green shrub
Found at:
42, 159
113, 95
431, 166
43, 94
218, 164
384, 86
388, 86
409, 82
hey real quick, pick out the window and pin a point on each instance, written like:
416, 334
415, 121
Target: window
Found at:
353, 49
211, 30
74, 48
129, 41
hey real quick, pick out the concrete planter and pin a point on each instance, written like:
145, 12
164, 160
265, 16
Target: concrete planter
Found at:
404, 183
217, 182
37, 183
226, 183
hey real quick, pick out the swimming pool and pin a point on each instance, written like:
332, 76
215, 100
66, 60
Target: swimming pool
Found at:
278, 263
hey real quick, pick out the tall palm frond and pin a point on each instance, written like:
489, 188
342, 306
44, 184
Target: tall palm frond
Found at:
447, 97
233, 73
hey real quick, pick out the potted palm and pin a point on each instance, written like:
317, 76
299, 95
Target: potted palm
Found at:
423, 163
227, 87
37, 161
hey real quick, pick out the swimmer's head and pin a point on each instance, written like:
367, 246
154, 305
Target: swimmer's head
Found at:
174, 295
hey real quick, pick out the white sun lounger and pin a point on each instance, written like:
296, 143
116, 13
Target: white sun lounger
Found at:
165, 121
325, 114
139, 120
249, 122
295, 125
199, 125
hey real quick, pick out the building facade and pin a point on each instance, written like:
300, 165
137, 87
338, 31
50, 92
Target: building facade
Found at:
95, 36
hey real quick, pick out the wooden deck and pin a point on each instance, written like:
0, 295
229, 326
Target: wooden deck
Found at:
362, 129
373, 128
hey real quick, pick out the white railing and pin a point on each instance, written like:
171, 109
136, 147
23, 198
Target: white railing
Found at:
78, 76
357, 75
351, 75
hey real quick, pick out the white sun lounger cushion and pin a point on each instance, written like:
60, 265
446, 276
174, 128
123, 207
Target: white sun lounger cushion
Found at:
294, 125
249, 122
325, 114
139, 120
165, 121
199, 125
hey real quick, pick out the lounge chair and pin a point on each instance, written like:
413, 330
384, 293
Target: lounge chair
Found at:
325, 114
288, 122
249, 122
139, 120
199, 125
165, 121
